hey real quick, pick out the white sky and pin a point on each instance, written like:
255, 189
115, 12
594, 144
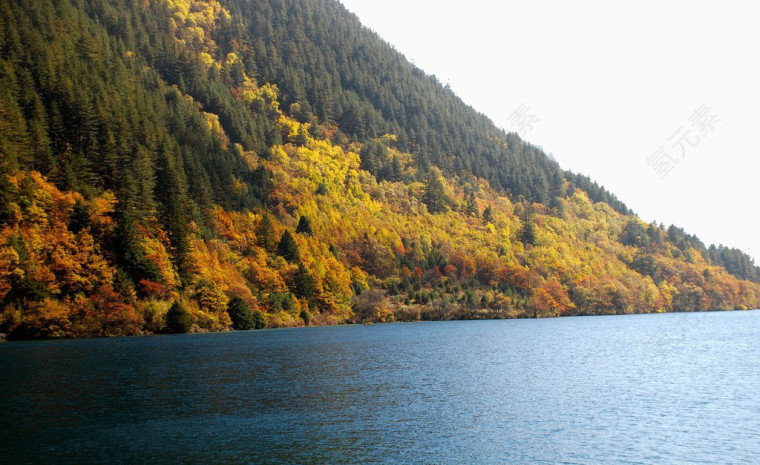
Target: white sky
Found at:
609, 82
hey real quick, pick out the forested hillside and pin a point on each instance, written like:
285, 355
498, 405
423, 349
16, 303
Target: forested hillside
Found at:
174, 165
324, 61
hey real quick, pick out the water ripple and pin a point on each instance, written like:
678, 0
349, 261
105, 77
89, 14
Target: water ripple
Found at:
626, 390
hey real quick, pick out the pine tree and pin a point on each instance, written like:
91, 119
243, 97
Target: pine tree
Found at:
265, 234
178, 319
304, 227
303, 283
527, 232
557, 206
395, 173
240, 314
435, 195
287, 248
488, 215
471, 205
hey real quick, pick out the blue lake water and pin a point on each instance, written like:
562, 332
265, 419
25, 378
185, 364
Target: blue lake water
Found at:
674, 388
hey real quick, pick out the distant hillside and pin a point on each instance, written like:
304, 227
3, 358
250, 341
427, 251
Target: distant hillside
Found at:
175, 165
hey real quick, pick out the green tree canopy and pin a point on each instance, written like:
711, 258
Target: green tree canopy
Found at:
178, 319
287, 248
304, 226
242, 317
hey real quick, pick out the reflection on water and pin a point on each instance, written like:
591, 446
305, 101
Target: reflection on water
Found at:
624, 389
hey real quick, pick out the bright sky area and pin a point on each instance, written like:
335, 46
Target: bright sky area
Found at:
657, 101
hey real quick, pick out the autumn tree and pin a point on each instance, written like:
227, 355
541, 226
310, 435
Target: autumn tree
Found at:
549, 300
111, 315
372, 306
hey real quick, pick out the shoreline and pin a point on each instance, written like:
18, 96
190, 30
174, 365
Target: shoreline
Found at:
5, 337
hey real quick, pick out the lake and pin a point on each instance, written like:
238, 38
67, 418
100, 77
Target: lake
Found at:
670, 388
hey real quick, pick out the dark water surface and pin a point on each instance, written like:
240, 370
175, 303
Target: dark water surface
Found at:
676, 388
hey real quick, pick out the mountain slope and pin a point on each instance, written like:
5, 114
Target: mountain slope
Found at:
325, 61
278, 161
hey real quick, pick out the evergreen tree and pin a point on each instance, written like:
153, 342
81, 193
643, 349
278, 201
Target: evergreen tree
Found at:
471, 205
302, 137
634, 234
557, 206
303, 285
178, 319
395, 173
265, 234
435, 195
527, 232
488, 215
259, 320
80, 216
242, 317
304, 227
287, 248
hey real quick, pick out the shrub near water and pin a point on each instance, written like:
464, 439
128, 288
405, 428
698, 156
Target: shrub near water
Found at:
242, 317
178, 319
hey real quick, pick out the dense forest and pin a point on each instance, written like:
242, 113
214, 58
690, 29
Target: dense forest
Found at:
178, 165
